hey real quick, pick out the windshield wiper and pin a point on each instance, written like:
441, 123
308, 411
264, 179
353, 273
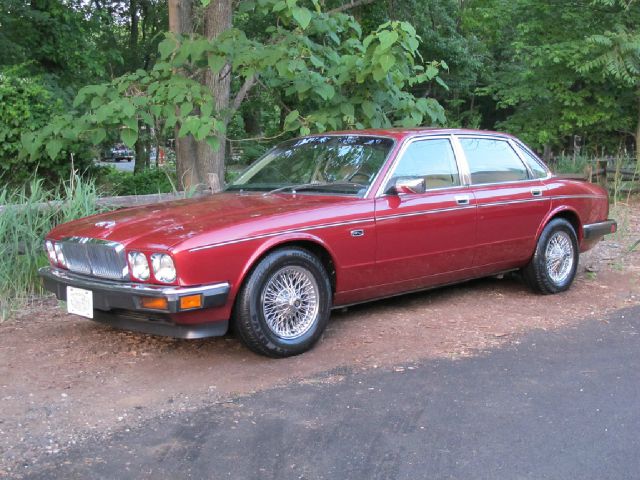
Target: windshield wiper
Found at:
307, 186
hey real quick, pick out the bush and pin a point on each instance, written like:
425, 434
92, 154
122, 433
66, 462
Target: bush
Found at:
112, 182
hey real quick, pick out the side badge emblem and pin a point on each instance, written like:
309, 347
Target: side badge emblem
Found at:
357, 233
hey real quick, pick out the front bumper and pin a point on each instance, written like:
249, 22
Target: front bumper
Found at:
597, 230
120, 304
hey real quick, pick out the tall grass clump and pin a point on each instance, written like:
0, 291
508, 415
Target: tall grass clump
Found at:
27, 214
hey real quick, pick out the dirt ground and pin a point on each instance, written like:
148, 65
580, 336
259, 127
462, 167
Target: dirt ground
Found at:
63, 378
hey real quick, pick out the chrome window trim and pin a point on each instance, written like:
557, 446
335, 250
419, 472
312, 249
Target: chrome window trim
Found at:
506, 139
512, 202
403, 148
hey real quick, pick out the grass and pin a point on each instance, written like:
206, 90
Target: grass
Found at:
23, 225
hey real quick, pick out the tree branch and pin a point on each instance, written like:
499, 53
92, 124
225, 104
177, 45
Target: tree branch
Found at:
242, 93
350, 5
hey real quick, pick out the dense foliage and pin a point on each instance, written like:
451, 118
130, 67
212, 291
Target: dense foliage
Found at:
78, 76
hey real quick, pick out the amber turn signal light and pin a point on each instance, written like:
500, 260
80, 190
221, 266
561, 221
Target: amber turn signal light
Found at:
156, 303
190, 301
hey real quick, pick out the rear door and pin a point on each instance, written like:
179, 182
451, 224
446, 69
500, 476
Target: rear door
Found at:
511, 200
428, 235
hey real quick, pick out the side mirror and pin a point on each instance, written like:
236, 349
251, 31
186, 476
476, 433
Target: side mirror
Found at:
407, 185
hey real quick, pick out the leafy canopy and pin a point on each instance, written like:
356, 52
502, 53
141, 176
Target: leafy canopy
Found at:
336, 77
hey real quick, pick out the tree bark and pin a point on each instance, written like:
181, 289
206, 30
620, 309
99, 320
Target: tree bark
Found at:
181, 23
181, 16
210, 163
142, 149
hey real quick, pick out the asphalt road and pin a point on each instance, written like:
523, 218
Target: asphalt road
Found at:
555, 405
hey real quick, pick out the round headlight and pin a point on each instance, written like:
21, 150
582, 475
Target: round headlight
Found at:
59, 255
51, 251
139, 265
163, 267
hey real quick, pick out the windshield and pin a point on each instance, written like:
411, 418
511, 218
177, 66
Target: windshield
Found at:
344, 164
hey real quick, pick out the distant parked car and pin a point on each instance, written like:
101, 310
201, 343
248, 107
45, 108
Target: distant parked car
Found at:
326, 221
121, 152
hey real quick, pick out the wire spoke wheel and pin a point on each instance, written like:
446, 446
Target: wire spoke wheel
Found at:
559, 256
290, 302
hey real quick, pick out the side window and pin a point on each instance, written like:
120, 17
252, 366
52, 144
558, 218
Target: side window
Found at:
432, 160
492, 161
532, 162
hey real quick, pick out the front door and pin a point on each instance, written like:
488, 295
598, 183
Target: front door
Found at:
425, 237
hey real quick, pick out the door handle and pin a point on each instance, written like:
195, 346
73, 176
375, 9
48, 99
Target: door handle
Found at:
462, 199
536, 192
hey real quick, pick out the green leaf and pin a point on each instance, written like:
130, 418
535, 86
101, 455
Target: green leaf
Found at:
441, 82
214, 143
378, 74
291, 117
216, 62
326, 91
279, 6
129, 136
369, 108
53, 148
186, 108
202, 131
431, 71
302, 16
131, 123
206, 109
347, 110
387, 39
387, 61
167, 46
305, 131
98, 136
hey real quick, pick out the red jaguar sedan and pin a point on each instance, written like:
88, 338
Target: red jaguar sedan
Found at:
322, 222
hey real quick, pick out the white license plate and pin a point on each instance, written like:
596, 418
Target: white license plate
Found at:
80, 301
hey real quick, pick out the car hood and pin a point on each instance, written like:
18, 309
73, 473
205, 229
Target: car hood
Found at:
203, 220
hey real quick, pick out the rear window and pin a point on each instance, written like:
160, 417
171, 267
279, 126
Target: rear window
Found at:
532, 162
492, 161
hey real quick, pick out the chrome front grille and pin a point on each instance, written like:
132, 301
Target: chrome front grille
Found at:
100, 258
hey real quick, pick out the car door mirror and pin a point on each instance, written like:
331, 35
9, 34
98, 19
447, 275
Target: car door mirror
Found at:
407, 185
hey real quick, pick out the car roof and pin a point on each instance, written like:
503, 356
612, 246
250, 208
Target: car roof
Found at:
402, 133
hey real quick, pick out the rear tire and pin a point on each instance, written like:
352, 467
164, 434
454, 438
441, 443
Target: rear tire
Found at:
555, 261
284, 304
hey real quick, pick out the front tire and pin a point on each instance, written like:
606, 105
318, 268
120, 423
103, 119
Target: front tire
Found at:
285, 304
555, 261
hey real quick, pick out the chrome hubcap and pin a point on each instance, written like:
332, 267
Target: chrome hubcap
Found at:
290, 302
560, 257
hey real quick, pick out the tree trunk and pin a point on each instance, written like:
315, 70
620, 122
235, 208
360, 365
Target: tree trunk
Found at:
181, 23
181, 16
210, 163
133, 31
142, 149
